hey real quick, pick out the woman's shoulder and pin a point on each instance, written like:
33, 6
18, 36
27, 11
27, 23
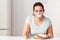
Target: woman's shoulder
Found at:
46, 18
29, 17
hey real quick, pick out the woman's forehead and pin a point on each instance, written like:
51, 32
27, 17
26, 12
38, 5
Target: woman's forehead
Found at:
38, 8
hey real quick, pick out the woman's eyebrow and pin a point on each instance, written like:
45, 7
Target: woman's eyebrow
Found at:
40, 10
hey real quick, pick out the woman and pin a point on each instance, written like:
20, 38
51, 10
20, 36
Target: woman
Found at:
38, 26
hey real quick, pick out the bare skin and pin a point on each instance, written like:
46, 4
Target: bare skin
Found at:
26, 30
38, 21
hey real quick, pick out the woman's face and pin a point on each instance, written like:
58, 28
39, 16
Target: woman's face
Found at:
38, 10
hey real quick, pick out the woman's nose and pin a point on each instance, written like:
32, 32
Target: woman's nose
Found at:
39, 13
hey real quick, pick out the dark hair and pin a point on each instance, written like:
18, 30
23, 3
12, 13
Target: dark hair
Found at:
38, 4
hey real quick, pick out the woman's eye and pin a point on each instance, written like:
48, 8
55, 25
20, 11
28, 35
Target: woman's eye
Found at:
36, 10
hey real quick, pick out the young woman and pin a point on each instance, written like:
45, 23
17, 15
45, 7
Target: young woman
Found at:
38, 26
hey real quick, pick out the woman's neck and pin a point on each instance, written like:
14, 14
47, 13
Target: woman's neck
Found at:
39, 19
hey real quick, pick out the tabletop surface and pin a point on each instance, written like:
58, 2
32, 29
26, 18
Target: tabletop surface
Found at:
20, 37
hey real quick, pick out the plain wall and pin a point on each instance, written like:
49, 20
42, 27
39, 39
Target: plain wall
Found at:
23, 8
5, 17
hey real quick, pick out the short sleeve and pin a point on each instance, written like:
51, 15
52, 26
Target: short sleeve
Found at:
50, 24
28, 19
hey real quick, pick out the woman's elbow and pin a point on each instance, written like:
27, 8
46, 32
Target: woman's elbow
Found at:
50, 36
25, 35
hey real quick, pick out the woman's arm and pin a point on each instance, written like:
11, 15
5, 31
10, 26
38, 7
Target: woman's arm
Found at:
50, 32
26, 30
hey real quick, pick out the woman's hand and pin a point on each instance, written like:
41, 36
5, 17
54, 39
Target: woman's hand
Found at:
39, 36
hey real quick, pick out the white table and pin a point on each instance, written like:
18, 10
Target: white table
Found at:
21, 38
